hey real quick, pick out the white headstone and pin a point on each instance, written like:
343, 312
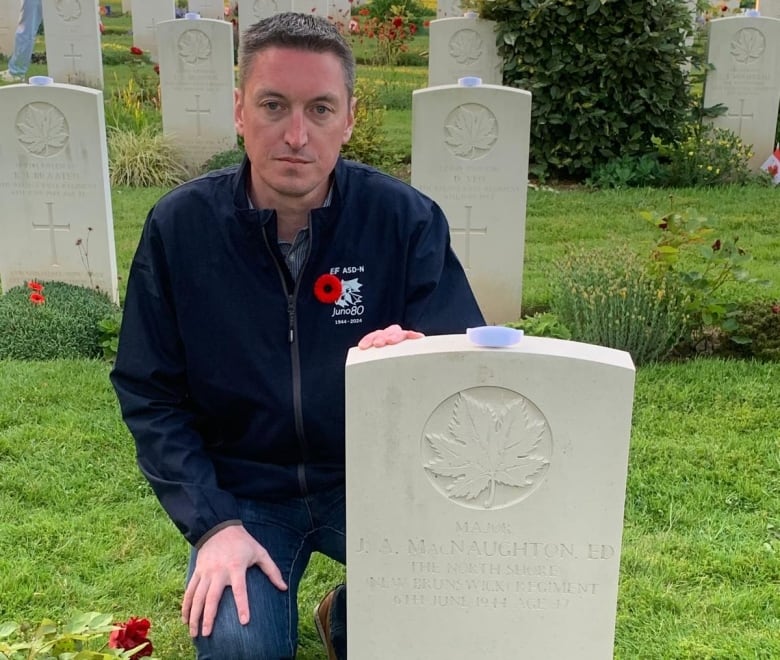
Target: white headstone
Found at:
208, 8
744, 75
146, 15
470, 154
449, 8
73, 51
9, 19
196, 86
769, 8
495, 528
251, 11
57, 222
462, 47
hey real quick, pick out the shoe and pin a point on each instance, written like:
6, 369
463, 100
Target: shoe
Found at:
322, 621
7, 76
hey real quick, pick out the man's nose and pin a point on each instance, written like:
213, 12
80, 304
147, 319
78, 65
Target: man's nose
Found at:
296, 135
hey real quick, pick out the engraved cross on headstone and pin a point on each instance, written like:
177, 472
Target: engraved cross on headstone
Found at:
741, 115
51, 228
468, 231
73, 56
198, 112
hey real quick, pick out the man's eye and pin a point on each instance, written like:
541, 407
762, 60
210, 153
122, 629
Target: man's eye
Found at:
272, 105
321, 109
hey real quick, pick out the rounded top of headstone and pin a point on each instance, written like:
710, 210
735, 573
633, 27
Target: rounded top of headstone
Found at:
494, 336
40, 80
192, 15
470, 81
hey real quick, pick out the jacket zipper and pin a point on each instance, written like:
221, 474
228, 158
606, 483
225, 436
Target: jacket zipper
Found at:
295, 358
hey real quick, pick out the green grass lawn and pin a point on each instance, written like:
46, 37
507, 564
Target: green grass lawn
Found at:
700, 573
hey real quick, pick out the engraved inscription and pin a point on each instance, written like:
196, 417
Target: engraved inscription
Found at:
470, 131
486, 448
68, 10
739, 116
42, 129
466, 46
749, 44
194, 46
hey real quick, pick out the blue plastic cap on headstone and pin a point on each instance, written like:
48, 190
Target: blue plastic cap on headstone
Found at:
752, 12
191, 15
40, 80
470, 81
470, 14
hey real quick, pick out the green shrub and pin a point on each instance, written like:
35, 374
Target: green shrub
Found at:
144, 159
63, 325
759, 321
224, 159
612, 299
627, 172
542, 324
368, 143
606, 75
134, 107
704, 156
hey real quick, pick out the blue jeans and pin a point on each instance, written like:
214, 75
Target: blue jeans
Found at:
290, 531
24, 41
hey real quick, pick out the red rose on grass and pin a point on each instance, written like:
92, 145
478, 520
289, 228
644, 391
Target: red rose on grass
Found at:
35, 286
327, 288
135, 50
37, 298
130, 634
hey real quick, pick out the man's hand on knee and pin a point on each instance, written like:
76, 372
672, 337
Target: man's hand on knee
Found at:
222, 562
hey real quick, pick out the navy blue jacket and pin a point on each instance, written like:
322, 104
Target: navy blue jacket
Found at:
230, 375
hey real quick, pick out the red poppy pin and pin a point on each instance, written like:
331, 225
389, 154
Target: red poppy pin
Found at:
327, 288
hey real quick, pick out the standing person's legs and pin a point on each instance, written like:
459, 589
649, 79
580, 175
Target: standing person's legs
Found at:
290, 531
29, 22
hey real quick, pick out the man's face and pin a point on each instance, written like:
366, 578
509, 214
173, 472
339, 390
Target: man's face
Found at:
294, 115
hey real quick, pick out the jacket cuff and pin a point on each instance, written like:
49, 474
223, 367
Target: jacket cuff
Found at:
214, 530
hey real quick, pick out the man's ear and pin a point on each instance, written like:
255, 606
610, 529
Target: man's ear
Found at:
350, 125
238, 111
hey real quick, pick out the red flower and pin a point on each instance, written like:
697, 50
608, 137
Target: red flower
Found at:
131, 634
135, 50
776, 308
156, 68
37, 298
398, 21
327, 288
364, 11
412, 28
426, 24
35, 286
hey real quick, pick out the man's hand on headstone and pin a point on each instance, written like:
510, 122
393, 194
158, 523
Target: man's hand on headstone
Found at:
223, 561
393, 334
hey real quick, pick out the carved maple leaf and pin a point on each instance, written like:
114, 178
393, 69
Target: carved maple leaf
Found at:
748, 45
487, 445
466, 47
194, 45
472, 132
69, 10
42, 130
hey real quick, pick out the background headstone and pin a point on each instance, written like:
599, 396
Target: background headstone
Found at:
208, 8
744, 75
470, 154
9, 19
57, 222
73, 52
251, 11
127, 6
449, 8
769, 8
146, 15
495, 530
462, 47
196, 86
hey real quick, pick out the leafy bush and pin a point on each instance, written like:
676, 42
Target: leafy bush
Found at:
611, 298
144, 159
627, 172
704, 156
224, 159
59, 321
134, 107
542, 324
368, 143
606, 75
759, 321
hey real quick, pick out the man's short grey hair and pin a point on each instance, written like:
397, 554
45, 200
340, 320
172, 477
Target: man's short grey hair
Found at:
300, 31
